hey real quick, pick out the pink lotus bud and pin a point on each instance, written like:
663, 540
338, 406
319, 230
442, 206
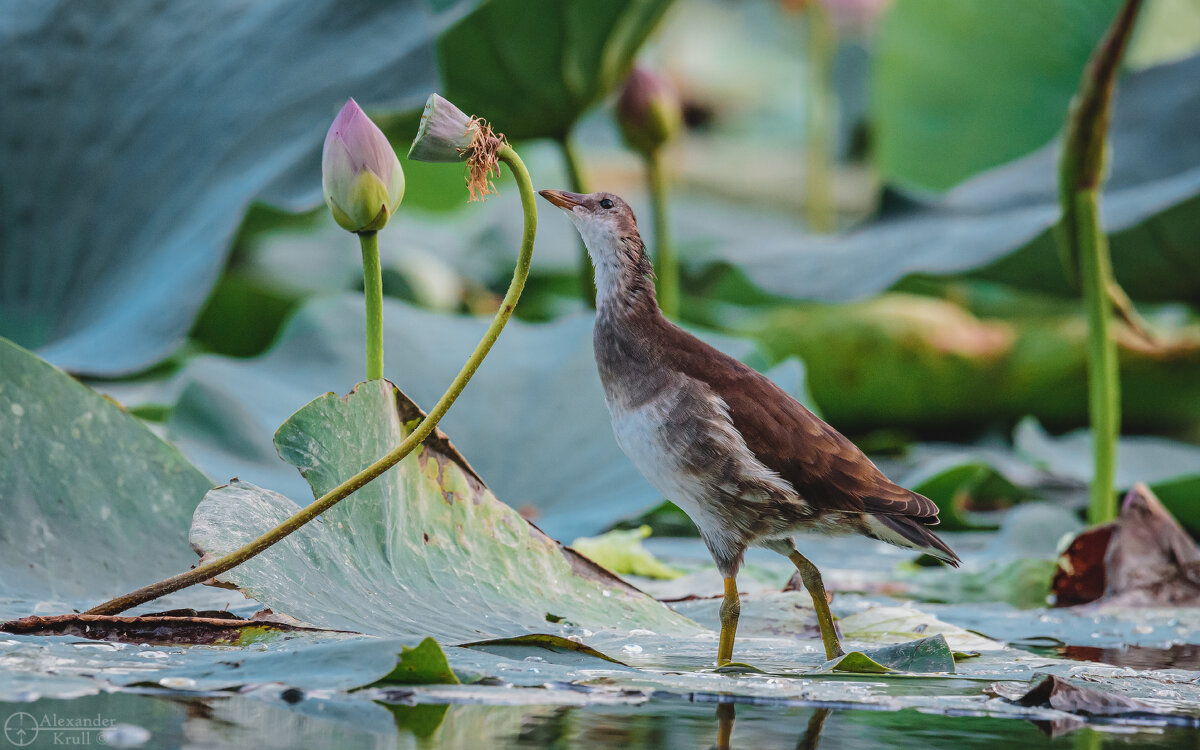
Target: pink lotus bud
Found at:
648, 110
856, 16
446, 134
360, 174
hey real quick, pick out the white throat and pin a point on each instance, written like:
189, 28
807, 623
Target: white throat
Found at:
602, 244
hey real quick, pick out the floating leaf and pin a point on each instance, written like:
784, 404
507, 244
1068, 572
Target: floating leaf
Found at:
424, 664
426, 549
553, 643
1170, 467
927, 655
960, 486
622, 553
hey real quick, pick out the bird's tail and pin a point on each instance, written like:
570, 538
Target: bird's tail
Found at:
905, 531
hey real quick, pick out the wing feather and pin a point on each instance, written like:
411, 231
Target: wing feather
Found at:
827, 470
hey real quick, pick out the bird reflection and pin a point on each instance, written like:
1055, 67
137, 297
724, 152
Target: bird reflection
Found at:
808, 741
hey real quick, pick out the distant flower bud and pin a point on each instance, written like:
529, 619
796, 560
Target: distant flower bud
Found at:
360, 174
648, 110
448, 135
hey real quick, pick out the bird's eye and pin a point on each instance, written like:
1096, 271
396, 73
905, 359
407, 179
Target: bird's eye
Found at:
606, 203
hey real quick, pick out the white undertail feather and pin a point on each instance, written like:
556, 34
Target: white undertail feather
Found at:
885, 533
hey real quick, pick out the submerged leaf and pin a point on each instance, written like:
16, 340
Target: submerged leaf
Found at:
424, 550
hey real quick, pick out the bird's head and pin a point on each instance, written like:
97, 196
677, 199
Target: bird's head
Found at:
609, 230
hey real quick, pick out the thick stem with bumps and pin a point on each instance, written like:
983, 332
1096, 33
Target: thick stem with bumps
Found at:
373, 289
1084, 249
666, 263
208, 570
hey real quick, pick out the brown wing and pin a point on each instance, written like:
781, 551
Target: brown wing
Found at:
827, 470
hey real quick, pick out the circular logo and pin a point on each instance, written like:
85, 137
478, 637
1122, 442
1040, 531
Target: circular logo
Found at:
21, 729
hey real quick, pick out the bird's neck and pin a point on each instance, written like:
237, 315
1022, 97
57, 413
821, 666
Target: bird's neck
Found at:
624, 280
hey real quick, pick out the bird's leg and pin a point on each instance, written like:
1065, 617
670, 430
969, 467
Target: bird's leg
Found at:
730, 609
816, 589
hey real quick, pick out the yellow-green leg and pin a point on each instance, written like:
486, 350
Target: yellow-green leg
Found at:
730, 609
816, 589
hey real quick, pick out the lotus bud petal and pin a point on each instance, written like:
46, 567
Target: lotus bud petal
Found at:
361, 177
446, 134
648, 110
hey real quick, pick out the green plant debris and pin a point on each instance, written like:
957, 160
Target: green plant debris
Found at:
622, 553
425, 664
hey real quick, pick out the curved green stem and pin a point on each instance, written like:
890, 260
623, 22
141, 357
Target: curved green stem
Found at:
587, 282
373, 288
666, 263
208, 570
822, 106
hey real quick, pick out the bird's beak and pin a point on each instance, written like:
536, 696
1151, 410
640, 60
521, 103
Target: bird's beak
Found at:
562, 198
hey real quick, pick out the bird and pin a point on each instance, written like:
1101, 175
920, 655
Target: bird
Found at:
748, 463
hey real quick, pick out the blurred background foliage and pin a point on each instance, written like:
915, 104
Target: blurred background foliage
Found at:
188, 274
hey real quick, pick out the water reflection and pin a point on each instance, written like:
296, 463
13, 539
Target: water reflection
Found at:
726, 713
1177, 656
263, 718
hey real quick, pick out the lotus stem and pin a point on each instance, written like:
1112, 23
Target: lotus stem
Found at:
587, 282
373, 288
666, 262
1084, 249
209, 570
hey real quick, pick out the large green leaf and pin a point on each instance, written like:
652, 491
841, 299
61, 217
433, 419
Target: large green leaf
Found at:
962, 86
533, 418
533, 66
426, 549
906, 361
1001, 218
136, 134
90, 500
